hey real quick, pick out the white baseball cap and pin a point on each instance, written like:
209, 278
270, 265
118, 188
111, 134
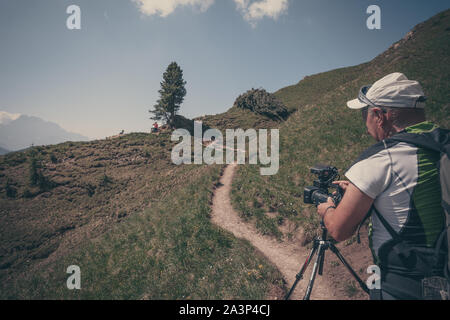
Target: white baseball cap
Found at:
393, 90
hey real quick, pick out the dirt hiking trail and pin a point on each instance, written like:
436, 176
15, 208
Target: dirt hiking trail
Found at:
287, 256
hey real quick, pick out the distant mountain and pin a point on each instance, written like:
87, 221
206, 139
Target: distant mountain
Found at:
21, 131
3, 151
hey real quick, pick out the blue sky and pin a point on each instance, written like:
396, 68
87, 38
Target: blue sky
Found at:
103, 78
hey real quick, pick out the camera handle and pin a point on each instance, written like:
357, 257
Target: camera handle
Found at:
321, 244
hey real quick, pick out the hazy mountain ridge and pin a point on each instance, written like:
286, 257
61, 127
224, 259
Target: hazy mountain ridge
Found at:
23, 131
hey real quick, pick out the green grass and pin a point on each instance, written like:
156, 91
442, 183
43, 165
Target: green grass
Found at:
138, 227
351, 289
236, 118
83, 186
170, 251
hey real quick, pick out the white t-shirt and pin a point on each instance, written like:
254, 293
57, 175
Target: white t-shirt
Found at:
389, 177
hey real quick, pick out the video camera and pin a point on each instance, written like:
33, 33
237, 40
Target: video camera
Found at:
318, 193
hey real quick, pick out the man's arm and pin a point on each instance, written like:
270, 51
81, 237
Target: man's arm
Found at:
342, 222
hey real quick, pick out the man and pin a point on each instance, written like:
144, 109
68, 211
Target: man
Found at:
155, 127
399, 182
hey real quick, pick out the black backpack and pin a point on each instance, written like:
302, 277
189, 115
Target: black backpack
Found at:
437, 140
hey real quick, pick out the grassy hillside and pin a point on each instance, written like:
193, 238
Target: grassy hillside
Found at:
137, 225
82, 186
236, 118
421, 55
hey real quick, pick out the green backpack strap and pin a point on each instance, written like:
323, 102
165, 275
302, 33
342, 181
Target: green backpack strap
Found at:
437, 140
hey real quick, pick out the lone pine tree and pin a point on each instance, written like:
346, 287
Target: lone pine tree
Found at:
171, 94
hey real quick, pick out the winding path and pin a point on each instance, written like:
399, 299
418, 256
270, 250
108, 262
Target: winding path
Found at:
286, 256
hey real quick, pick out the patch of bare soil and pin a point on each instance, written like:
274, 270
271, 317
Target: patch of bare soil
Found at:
359, 257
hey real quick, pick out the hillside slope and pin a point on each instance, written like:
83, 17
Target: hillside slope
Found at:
136, 224
423, 55
236, 118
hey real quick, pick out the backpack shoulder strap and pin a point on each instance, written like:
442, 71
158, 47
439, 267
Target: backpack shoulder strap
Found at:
387, 226
437, 140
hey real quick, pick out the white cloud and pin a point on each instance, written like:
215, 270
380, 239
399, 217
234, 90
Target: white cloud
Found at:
163, 8
252, 10
241, 4
258, 10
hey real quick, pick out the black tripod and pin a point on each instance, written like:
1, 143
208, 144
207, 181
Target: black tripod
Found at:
321, 244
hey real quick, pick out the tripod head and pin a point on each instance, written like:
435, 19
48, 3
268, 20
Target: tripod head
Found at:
324, 230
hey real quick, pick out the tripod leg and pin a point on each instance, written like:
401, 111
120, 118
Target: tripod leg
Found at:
299, 275
314, 272
349, 268
322, 259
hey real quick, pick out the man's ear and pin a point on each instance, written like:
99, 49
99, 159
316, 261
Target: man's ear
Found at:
379, 115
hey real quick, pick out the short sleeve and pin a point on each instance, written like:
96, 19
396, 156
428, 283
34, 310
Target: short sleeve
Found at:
371, 175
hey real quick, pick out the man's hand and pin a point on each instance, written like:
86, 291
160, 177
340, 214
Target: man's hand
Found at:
322, 208
344, 220
343, 184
